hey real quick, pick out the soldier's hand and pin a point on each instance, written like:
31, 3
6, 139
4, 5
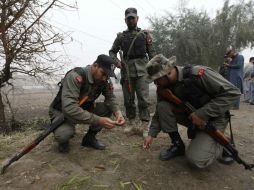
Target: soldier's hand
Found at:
226, 64
107, 122
197, 121
147, 142
119, 118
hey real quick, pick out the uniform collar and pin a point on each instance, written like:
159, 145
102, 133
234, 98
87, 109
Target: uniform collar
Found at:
89, 74
179, 73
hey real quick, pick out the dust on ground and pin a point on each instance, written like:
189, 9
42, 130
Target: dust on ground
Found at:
124, 164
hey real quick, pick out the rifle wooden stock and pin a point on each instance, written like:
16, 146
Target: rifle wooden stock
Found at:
53, 126
217, 135
127, 72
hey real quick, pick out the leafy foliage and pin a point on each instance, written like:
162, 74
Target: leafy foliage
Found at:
196, 38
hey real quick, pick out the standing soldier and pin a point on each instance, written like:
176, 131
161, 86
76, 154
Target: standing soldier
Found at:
136, 45
89, 81
203, 88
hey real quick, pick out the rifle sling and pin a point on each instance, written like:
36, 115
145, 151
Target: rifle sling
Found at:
132, 43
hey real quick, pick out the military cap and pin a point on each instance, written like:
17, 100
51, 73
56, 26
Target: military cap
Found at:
159, 66
131, 12
107, 64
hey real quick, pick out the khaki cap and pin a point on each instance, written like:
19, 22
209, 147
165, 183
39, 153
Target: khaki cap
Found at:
159, 66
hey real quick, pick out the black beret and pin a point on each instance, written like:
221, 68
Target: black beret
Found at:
107, 64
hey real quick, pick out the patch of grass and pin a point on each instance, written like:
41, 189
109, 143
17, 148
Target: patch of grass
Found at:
74, 182
101, 186
123, 184
135, 185
24, 125
136, 145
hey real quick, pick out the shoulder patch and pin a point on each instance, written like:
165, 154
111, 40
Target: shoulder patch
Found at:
149, 39
198, 71
79, 79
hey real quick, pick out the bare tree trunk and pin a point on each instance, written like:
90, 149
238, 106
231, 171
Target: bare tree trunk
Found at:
2, 116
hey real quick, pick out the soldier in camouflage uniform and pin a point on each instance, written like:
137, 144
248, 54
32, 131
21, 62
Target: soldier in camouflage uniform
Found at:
207, 91
135, 58
79, 82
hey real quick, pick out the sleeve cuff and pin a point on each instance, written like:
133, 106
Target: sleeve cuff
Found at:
152, 134
95, 119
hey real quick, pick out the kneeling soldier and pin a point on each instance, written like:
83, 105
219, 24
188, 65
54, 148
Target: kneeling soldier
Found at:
204, 89
90, 81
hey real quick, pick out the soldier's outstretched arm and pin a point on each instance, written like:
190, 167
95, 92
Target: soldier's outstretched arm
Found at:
147, 142
107, 122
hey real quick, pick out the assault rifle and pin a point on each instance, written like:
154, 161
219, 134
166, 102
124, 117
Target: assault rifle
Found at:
53, 126
127, 72
209, 128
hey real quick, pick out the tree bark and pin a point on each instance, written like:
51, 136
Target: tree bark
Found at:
2, 116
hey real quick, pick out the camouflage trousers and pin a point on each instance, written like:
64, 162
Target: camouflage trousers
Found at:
140, 88
66, 131
202, 150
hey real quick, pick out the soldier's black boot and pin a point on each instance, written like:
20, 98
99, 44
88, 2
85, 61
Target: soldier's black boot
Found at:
176, 149
64, 147
89, 140
225, 158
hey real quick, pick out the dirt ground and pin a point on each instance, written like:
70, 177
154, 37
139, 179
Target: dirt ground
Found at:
124, 164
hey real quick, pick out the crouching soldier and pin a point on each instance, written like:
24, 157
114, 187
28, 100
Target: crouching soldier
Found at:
90, 81
204, 89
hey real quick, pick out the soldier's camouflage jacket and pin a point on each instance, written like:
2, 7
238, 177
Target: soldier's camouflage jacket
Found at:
76, 84
206, 90
140, 53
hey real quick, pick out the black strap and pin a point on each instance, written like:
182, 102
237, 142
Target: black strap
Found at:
229, 115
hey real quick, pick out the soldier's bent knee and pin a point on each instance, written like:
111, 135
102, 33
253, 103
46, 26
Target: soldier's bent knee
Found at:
198, 162
63, 134
164, 107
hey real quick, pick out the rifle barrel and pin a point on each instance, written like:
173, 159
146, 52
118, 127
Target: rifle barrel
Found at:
129, 86
54, 125
209, 129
